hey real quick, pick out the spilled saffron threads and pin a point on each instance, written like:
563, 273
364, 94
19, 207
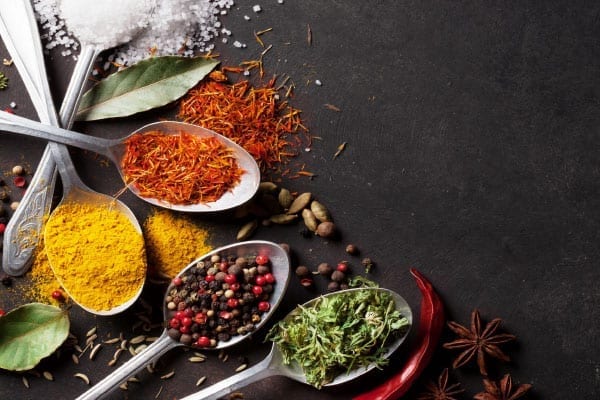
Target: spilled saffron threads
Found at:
181, 168
256, 118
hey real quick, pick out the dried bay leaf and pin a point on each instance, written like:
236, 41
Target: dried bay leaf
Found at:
146, 85
30, 333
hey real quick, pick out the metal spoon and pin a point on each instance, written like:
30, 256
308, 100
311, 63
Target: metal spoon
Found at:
273, 364
21, 36
19, 32
114, 149
280, 267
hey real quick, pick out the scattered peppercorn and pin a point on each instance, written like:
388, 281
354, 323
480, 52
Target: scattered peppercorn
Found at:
324, 269
2, 313
14, 205
326, 230
2, 228
342, 266
338, 276
4, 197
18, 170
352, 250
58, 295
302, 271
20, 181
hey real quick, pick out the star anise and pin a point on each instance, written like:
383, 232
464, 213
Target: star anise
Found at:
441, 390
477, 342
502, 390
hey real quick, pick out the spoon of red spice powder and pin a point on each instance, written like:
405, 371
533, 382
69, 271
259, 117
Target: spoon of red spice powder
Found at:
175, 165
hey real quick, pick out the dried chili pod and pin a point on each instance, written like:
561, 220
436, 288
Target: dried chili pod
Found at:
431, 325
300, 203
310, 220
320, 211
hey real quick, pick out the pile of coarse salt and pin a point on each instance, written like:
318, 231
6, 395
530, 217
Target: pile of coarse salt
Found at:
166, 27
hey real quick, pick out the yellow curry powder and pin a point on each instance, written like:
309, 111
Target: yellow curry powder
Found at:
97, 254
42, 279
172, 242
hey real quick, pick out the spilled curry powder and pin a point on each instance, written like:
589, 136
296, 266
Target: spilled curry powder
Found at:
172, 242
96, 253
42, 280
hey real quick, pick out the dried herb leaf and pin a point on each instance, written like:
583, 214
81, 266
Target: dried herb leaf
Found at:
30, 333
148, 84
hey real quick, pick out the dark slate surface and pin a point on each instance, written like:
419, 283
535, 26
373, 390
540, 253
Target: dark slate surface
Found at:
472, 131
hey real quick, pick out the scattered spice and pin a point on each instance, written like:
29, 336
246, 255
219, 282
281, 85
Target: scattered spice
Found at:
172, 242
477, 342
340, 149
502, 390
42, 282
97, 253
3, 81
181, 168
253, 117
431, 325
441, 390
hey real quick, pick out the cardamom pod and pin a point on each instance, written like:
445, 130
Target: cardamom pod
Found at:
300, 203
320, 211
247, 230
285, 198
310, 220
267, 187
283, 219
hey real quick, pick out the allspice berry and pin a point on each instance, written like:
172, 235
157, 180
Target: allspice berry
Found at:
338, 276
326, 229
302, 271
324, 269
352, 249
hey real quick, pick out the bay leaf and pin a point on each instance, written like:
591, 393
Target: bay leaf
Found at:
146, 85
30, 333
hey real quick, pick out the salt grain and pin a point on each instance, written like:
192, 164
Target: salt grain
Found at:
256, 8
167, 27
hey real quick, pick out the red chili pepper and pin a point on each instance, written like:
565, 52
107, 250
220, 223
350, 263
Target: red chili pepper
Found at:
431, 325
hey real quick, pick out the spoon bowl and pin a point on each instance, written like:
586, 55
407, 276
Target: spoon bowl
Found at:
274, 364
280, 267
115, 149
79, 194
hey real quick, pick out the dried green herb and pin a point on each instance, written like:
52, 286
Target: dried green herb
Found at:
339, 333
146, 85
30, 333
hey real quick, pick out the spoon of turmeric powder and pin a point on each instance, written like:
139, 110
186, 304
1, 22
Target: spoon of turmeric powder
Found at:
169, 164
247, 260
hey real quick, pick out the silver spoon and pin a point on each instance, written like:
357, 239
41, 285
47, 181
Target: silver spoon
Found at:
114, 149
21, 37
280, 267
19, 32
273, 364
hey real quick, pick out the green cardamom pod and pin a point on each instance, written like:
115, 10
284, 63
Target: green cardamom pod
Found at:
310, 220
320, 211
300, 203
247, 230
285, 198
283, 218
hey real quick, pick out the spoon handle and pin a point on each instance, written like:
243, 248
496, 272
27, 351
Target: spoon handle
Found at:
262, 370
19, 32
163, 344
15, 124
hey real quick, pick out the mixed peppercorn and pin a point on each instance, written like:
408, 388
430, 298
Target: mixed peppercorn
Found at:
219, 298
